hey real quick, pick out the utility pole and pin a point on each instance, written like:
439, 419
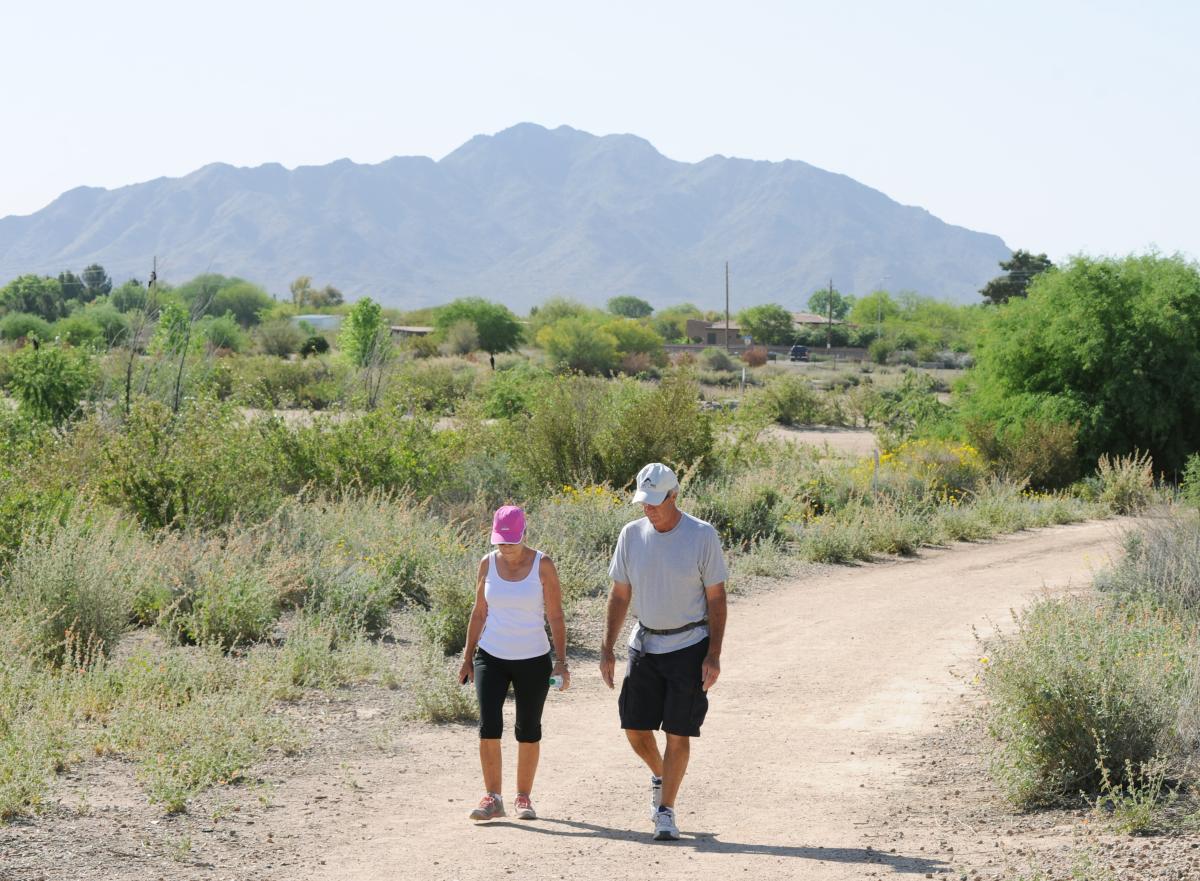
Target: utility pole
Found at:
727, 347
829, 326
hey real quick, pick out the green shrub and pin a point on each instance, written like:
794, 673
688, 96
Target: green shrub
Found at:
881, 350
72, 586
1161, 565
1189, 487
281, 337
438, 385
1044, 452
1082, 679
439, 697
451, 590
791, 400
18, 325
225, 596
511, 392
1126, 482
384, 450
224, 332
716, 359
51, 381
201, 468
351, 602
275, 383
744, 511
78, 329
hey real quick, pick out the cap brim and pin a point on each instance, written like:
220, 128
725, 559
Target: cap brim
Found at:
498, 539
650, 497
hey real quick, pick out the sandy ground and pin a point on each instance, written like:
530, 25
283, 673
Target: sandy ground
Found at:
840, 744
848, 441
827, 690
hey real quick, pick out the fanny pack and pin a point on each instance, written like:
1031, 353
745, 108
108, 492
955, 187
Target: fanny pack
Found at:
672, 630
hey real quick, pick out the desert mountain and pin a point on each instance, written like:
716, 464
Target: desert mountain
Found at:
518, 216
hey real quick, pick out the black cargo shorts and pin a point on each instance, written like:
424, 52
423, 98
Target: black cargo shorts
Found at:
665, 691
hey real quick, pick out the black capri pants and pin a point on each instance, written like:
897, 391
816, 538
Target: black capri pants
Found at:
530, 679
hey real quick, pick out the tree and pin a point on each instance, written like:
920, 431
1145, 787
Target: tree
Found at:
634, 338
671, 323
1020, 270
1110, 346
129, 297
578, 344
498, 329
769, 324
364, 335
50, 381
874, 308
96, 282
326, 298
630, 307
114, 326
72, 285
35, 294
302, 291
555, 309
819, 302
244, 300
462, 338
18, 325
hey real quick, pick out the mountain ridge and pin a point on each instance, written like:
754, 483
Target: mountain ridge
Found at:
517, 216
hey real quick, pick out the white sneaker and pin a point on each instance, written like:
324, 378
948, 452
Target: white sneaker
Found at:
664, 825
655, 795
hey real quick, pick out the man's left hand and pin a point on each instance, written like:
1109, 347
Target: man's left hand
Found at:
709, 671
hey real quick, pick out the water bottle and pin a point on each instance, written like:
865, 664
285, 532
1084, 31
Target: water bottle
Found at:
556, 682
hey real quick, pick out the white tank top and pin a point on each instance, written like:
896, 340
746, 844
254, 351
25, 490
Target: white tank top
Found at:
515, 627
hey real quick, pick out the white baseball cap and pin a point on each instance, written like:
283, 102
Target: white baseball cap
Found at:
653, 483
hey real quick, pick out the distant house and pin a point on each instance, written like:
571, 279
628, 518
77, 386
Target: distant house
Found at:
808, 319
320, 323
404, 331
714, 333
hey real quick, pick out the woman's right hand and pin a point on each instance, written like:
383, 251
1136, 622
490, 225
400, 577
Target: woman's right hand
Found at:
466, 673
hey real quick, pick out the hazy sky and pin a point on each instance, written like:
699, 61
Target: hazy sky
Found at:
1061, 126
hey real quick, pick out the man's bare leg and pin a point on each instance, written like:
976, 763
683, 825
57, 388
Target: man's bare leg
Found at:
646, 747
679, 750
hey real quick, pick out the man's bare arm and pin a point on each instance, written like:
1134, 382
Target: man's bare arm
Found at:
717, 613
618, 606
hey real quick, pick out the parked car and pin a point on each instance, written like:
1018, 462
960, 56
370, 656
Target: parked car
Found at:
798, 353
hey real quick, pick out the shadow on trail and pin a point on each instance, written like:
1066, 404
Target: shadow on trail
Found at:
707, 842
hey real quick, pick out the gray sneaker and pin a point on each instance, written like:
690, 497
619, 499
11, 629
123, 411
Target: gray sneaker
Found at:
655, 795
664, 825
490, 807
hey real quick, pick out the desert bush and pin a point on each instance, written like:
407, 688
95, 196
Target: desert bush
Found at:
918, 468
19, 325
50, 381
1080, 679
880, 350
280, 337
583, 431
274, 383
378, 450
451, 591
763, 559
1189, 486
315, 655
78, 329
439, 698
224, 594
716, 359
790, 400
510, 392
319, 345
1044, 452
223, 332
744, 511
72, 586
1161, 565
461, 338
755, 356
438, 385
1126, 482
199, 468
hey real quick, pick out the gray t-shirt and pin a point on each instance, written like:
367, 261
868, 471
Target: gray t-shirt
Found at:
669, 572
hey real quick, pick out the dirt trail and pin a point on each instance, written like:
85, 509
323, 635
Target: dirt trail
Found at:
827, 689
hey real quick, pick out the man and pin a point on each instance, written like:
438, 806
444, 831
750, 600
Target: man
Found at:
670, 565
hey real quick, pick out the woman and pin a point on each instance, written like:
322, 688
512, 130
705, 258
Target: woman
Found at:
516, 593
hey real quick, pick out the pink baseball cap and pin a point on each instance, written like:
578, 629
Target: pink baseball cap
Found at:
508, 525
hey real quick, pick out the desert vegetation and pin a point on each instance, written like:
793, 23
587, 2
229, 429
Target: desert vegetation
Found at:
209, 507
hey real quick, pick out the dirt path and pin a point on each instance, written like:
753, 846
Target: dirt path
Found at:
827, 689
